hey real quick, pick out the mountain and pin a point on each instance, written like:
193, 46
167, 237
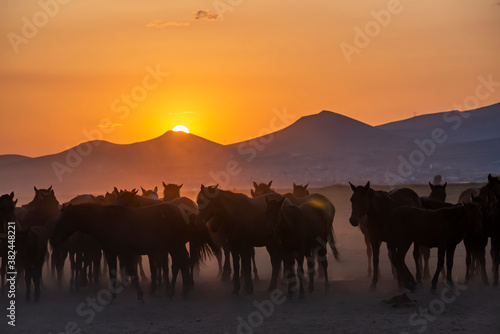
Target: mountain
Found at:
321, 149
466, 126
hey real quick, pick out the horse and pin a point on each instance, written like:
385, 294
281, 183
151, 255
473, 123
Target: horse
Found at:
303, 232
300, 190
171, 191
7, 208
244, 223
153, 194
493, 228
442, 228
261, 189
435, 200
374, 207
130, 232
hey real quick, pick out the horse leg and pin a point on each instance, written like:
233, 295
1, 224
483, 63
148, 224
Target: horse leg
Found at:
27, 279
218, 256
276, 254
97, 268
152, 269
322, 259
288, 264
393, 268
368, 254
246, 266
164, 266
468, 260
311, 263
226, 273
236, 271
72, 264
482, 263
376, 253
450, 252
37, 276
496, 261
300, 273
255, 273
182, 262
131, 271
112, 270
78, 269
175, 272
440, 264
425, 254
418, 265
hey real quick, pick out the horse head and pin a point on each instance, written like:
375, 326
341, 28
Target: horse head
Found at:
261, 189
360, 202
171, 191
300, 190
438, 192
152, 194
127, 198
207, 203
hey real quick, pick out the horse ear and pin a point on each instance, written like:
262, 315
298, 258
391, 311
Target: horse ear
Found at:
143, 191
253, 194
367, 186
294, 185
282, 200
490, 178
352, 186
445, 184
134, 191
36, 190
216, 186
430, 185
202, 187
15, 202
305, 187
50, 188
269, 184
255, 184
156, 189
164, 185
12, 195
115, 190
180, 186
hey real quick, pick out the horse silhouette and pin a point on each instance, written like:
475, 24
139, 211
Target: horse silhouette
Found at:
152, 194
245, 225
129, 232
300, 190
171, 191
442, 228
374, 207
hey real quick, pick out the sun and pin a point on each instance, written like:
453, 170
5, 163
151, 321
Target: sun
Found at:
182, 128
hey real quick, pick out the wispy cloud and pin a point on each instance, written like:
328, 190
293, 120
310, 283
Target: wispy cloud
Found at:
199, 15
161, 24
205, 14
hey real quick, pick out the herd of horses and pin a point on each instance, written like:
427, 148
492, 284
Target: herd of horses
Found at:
110, 233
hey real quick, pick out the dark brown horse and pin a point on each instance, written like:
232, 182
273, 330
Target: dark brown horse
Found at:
435, 200
171, 191
300, 190
245, 225
375, 207
303, 233
156, 229
442, 228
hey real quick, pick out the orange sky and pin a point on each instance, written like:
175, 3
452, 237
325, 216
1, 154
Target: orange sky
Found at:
227, 74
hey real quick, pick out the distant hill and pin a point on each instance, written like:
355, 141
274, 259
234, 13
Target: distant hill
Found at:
478, 124
321, 149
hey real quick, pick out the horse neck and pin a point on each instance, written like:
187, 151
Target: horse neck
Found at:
225, 201
379, 204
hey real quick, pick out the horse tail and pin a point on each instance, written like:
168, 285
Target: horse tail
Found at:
333, 246
329, 215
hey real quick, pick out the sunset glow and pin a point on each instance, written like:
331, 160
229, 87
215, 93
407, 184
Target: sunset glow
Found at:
137, 63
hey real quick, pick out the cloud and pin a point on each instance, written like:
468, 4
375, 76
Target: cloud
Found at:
161, 24
204, 14
199, 15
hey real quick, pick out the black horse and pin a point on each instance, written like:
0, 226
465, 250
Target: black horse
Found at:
129, 232
303, 233
245, 225
442, 228
375, 207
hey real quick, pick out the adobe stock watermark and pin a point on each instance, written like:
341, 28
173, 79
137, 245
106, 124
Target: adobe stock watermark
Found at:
31, 26
453, 119
364, 36
251, 148
120, 106
421, 319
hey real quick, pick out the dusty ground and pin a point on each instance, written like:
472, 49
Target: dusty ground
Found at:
349, 307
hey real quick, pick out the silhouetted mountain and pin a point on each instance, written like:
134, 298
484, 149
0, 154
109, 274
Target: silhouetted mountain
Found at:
477, 124
322, 149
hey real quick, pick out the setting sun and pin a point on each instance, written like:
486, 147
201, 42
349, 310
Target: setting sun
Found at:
182, 128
